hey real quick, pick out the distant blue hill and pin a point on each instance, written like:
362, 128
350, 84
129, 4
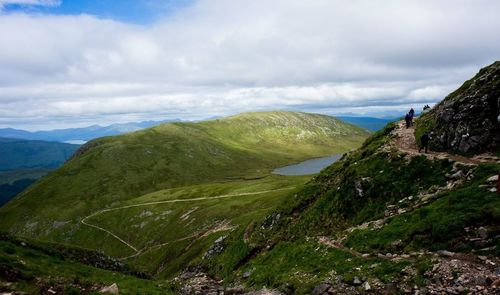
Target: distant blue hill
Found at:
78, 135
369, 123
23, 161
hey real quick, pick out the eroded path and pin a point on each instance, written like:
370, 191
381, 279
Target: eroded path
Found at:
404, 140
144, 250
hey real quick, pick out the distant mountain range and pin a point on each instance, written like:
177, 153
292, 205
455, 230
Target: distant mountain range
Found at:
22, 162
79, 135
84, 134
369, 123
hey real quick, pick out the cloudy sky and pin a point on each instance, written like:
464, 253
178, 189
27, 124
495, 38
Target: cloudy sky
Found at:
66, 63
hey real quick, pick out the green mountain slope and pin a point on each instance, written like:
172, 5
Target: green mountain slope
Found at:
385, 218
30, 267
197, 161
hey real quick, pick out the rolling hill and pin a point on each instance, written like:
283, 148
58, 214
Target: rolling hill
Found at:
159, 197
386, 218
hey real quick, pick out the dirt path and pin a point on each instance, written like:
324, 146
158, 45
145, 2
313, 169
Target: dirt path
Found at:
146, 249
405, 141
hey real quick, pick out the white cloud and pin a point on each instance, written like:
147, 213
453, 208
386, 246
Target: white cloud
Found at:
225, 56
4, 3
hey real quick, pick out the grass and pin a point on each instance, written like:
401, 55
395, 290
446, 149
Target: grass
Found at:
189, 227
120, 168
439, 225
34, 270
277, 252
174, 161
300, 265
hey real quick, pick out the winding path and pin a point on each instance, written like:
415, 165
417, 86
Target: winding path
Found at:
144, 250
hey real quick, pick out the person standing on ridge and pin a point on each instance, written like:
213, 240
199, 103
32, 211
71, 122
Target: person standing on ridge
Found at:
424, 142
412, 114
407, 120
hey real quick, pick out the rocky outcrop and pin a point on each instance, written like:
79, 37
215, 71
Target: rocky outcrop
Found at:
466, 121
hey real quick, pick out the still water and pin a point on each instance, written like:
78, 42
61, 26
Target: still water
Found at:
307, 167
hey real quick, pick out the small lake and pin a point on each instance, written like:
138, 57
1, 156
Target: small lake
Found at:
312, 166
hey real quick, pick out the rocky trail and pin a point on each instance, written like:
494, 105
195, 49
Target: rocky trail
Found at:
404, 140
452, 273
138, 252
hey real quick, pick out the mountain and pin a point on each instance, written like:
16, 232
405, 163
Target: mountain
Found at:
205, 215
385, 219
468, 120
369, 123
18, 153
78, 135
159, 197
22, 162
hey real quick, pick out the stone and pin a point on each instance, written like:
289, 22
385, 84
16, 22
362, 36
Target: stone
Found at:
466, 120
246, 275
493, 178
483, 232
496, 283
445, 253
367, 286
321, 289
356, 281
112, 289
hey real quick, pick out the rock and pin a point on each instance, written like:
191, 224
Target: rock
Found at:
367, 286
359, 189
246, 275
445, 253
112, 289
356, 282
482, 258
492, 179
483, 232
466, 120
321, 289
496, 283
457, 175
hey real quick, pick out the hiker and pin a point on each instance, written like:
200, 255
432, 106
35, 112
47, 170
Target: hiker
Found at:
407, 120
411, 113
424, 142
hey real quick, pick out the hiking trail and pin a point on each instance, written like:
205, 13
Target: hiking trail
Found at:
404, 140
146, 249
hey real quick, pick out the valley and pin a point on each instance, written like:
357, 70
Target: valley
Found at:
158, 199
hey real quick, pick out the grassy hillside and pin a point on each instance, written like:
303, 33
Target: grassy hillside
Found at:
232, 156
348, 204
28, 267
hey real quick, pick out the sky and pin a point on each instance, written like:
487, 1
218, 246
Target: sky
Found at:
71, 63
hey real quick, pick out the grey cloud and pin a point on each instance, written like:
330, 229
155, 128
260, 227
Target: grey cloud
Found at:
225, 56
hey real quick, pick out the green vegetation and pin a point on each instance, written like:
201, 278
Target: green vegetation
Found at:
223, 165
281, 250
301, 265
35, 267
439, 225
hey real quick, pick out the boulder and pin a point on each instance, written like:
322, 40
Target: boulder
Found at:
466, 120
112, 289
